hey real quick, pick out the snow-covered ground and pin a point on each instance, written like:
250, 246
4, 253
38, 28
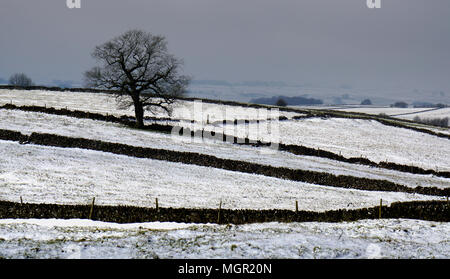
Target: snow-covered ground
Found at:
28, 122
355, 138
74, 176
435, 129
390, 111
438, 113
389, 238
40, 174
402, 113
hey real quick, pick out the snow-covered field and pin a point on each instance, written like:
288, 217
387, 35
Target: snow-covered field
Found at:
356, 138
390, 111
40, 174
402, 113
75, 176
106, 103
439, 113
28, 122
86, 239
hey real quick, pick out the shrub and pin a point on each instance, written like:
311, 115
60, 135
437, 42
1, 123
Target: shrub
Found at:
281, 103
366, 102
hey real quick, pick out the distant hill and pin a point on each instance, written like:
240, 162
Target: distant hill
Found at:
291, 101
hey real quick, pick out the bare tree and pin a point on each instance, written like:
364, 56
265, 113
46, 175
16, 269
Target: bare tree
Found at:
139, 68
20, 79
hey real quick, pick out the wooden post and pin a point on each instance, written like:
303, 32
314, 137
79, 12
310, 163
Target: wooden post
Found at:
92, 208
21, 201
218, 214
156, 204
379, 211
296, 207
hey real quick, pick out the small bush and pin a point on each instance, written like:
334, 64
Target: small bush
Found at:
366, 102
281, 103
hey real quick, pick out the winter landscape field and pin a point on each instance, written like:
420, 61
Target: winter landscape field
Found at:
54, 152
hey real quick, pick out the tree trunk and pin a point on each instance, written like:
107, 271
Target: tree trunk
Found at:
139, 113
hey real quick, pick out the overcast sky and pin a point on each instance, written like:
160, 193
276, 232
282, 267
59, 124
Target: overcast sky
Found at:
405, 44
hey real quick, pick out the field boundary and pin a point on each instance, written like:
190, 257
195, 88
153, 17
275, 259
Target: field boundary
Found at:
423, 210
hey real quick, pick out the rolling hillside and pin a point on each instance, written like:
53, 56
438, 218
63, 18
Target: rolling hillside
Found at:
338, 165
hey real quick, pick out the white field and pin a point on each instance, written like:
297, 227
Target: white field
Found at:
355, 138
85, 239
28, 122
379, 110
352, 138
106, 103
439, 113
435, 129
75, 176
41, 174
402, 113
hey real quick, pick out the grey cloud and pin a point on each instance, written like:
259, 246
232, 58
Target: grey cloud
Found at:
405, 43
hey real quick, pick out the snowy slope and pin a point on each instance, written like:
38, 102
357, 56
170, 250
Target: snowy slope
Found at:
89, 239
74, 176
28, 122
402, 113
39, 174
357, 138
106, 103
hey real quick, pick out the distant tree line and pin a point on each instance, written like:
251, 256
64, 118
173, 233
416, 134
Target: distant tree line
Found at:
441, 122
400, 105
428, 105
283, 101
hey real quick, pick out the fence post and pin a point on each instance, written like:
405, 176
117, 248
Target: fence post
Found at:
379, 212
218, 214
92, 208
296, 207
156, 204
